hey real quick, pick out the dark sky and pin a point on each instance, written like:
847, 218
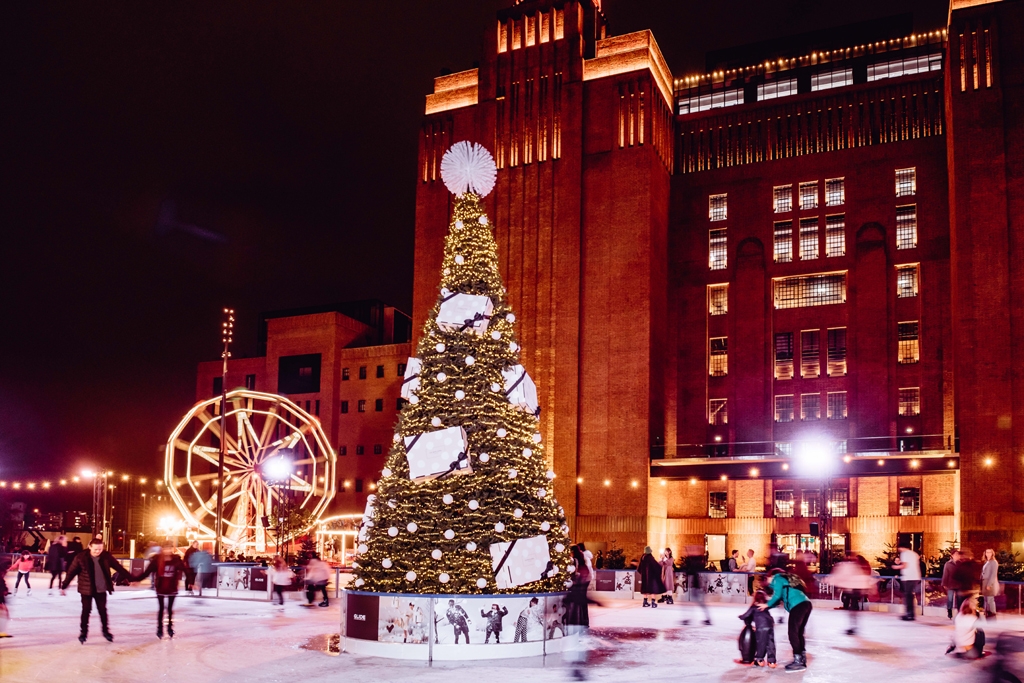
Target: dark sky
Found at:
290, 128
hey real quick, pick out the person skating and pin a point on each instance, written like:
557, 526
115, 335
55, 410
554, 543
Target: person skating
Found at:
190, 573
167, 569
760, 619
796, 603
93, 567
494, 617
280, 577
949, 581
56, 560
459, 620
23, 565
74, 547
577, 616
668, 576
202, 564
909, 564
694, 565
5, 615
968, 639
318, 574
650, 578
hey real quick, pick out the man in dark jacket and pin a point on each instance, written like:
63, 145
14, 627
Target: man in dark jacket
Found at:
56, 557
94, 567
75, 546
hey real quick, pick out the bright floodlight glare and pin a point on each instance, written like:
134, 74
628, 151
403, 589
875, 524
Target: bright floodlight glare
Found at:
277, 468
815, 457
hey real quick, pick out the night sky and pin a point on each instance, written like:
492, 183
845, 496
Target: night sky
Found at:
286, 132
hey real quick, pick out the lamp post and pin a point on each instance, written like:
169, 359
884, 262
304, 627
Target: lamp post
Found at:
816, 458
227, 335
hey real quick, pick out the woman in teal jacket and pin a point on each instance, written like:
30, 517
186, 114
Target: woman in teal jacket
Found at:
799, 607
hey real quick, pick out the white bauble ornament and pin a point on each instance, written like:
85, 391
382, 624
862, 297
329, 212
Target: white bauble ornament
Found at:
443, 578
414, 399
410, 576
447, 499
484, 457
447, 271
392, 504
459, 260
501, 432
468, 167
568, 584
386, 563
571, 569
517, 513
482, 583
436, 421
512, 474
436, 554
471, 546
495, 335
460, 394
495, 387
362, 548
545, 526
441, 377
537, 437
473, 504
411, 527
482, 220
513, 347
554, 570
459, 224
440, 347
470, 360
499, 527
551, 474
372, 498
393, 531
396, 438
511, 317
386, 472
527, 452
558, 546
359, 582
449, 534
369, 522
541, 493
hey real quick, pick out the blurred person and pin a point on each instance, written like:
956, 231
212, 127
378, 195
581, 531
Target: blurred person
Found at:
280, 577
948, 582
23, 565
650, 577
190, 573
801, 567
577, 615
318, 575
966, 577
909, 564
777, 559
96, 569
494, 618
968, 638
693, 565
201, 564
599, 560
852, 577
74, 547
167, 568
760, 620
989, 581
56, 560
668, 576
5, 615
785, 589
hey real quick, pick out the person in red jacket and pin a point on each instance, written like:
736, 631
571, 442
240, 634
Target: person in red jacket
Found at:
167, 569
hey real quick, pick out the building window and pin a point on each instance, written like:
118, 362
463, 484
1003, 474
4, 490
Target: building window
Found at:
808, 196
342, 450
345, 374
378, 449
784, 504
359, 485
718, 413
250, 382
359, 450
718, 504
835, 192
718, 207
344, 407
361, 406
380, 371
401, 369
718, 299
810, 354
839, 502
718, 357
784, 408
717, 249
835, 235
809, 503
906, 281
808, 239
837, 352
910, 502
399, 403
907, 350
905, 66
714, 100
906, 182
810, 290
774, 89
784, 355
910, 402
810, 407
837, 405
782, 198
378, 405
906, 226
362, 372
836, 78
784, 242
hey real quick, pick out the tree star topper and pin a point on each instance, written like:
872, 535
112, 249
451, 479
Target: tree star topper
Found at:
468, 167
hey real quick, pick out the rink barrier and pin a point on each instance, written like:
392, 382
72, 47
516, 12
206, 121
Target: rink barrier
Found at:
423, 627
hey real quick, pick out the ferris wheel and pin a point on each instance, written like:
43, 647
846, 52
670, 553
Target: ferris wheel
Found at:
277, 460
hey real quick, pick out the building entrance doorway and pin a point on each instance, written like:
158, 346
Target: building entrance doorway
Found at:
714, 548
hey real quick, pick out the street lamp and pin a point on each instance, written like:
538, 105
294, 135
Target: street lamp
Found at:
227, 335
277, 471
817, 458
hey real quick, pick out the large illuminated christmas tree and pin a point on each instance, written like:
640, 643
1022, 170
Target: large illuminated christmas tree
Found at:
465, 503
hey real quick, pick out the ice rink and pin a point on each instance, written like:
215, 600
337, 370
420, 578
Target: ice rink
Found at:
222, 640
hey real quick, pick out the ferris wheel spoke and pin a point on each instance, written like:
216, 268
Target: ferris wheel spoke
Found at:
214, 424
270, 419
208, 507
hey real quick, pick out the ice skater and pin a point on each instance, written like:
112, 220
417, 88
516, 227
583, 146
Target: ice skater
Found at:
785, 588
23, 565
280, 577
650, 578
5, 615
968, 639
694, 564
167, 569
95, 569
318, 575
459, 620
760, 619
494, 618
56, 560
577, 616
668, 576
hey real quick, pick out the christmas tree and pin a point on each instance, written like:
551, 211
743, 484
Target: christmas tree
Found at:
465, 502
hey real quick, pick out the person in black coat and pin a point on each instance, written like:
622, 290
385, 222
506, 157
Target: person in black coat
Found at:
764, 630
650, 578
74, 547
577, 614
56, 559
96, 569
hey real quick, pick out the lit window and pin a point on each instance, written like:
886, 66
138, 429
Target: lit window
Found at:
718, 299
810, 290
784, 448
345, 374
810, 407
908, 350
774, 89
502, 37
784, 241
784, 504
379, 405
718, 207
905, 67
361, 406
837, 405
906, 281
718, 413
717, 248
784, 355
718, 360
831, 79
835, 235
840, 502
782, 198
837, 352
810, 502
718, 504
559, 24
808, 239
808, 196
810, 354
715, 100
835, 192
784, 408
906, 182
910, 402
906, 226
910, 502
401, 369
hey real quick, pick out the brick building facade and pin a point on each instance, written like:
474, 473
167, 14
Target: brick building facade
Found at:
783, 286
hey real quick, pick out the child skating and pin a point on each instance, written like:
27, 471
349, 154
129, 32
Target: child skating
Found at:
764, 630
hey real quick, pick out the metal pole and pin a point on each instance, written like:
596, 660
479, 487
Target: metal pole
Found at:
227, 333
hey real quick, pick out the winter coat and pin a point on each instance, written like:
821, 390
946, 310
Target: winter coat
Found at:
966, 576
782, 592
948, 581
494, 618
761, 618
317, 572
280, 577
990, 579
56, 556
84, 565
650, 575
24, 565
668, 574
167, 573
577, 608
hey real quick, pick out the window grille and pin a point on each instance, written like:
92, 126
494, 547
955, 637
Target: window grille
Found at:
784, 504
831, 79
774, 89
784, 408
837, 352
715, 100
910, 402
906, 281
835, 235
905, 67
718, 413
906, 182
718, 207
808, 196
782, 198
718, 299
784, 355
810, 407
835, 192
361, 406
837, 405
810, 290
717, 246
910, 502
345, 374
808, 239
839, 502
784, 242
810, 354
718, 504
906, 226
362, 372
907, 350
810, 502
718, 360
